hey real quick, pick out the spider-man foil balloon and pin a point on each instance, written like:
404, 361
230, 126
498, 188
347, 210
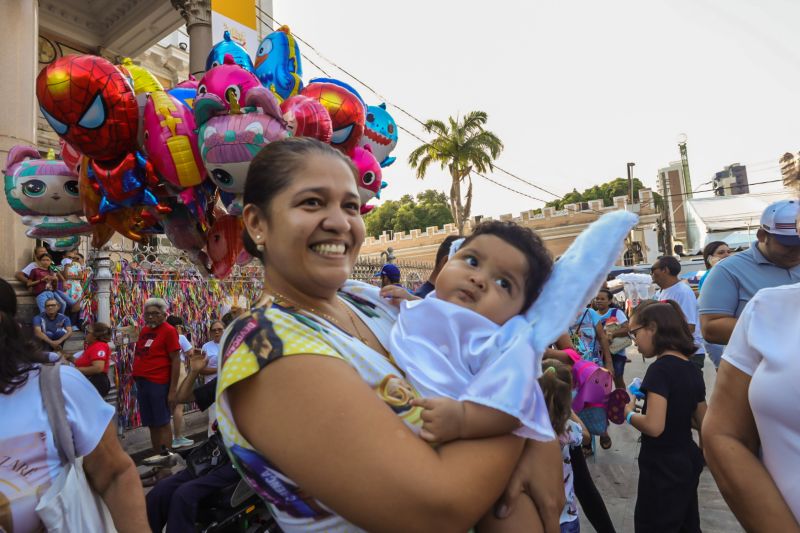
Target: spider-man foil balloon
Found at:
89, 104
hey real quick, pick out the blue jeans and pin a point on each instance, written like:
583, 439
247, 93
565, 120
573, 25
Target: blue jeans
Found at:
571, 527
43, 296
714, 352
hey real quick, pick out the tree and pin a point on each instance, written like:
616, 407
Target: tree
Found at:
461, 147
429, 209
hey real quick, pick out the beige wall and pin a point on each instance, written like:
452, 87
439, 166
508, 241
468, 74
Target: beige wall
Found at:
18, 125
557, 229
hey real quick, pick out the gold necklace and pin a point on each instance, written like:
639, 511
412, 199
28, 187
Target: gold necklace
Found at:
326, 316
349, 312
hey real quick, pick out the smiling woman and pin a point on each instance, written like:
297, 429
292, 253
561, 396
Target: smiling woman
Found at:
312, 407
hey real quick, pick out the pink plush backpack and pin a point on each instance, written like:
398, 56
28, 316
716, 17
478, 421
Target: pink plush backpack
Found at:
591, 381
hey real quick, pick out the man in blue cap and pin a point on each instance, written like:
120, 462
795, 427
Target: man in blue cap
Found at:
389, 274
772, 261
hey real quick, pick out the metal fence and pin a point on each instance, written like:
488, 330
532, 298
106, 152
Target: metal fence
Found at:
412, 273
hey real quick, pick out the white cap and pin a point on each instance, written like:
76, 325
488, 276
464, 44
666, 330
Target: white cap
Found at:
780, 220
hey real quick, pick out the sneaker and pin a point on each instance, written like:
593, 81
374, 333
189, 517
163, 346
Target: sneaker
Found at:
182, 442
163, 459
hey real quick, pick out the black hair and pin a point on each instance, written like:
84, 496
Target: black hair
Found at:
173, 321
710, 249
18, 350
444, 248
556, 385
271, 171
607, 293
672, 330
540, 263
672, 265
226, 319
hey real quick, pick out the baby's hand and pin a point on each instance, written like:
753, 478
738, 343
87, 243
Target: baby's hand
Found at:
396, 294
442, 419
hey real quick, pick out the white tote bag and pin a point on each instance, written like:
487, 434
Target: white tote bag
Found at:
69, 505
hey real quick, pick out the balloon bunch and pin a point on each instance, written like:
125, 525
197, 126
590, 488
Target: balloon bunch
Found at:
135, 157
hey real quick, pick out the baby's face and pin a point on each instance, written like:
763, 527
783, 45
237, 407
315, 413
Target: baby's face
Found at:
487, 275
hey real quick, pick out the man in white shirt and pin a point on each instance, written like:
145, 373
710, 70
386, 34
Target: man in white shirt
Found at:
665, 274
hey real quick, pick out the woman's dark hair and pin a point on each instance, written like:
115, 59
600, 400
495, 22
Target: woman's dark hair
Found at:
271, 171
101, 331
672, 331
710, 249
540, 263
174, 321
556, 384
607, 293
18, 350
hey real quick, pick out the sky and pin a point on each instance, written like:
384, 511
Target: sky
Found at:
575, 89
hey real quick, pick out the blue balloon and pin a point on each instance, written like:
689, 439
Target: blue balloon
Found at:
228, 46
185, 95
278, 64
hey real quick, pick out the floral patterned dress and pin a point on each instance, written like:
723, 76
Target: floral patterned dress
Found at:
74, 287
268, 333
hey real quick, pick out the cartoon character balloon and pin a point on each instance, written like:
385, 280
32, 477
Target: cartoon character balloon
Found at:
346, 110
89, 103
226, 85
143, 81
228, 46
305, 117
45, 192
229, 142
170, 140
370, 177
185, 233
380, 133
186, 91
124, 183
278, 64
225, 246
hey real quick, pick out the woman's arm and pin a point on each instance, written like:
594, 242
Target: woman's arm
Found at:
112, 475
95, 368
355, 455
604, 347
652, 423
731, 447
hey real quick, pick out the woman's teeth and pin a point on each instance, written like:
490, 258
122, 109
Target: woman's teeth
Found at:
329, 249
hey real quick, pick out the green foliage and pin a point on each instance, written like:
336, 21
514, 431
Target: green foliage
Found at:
605, 191
461, 147
431, 208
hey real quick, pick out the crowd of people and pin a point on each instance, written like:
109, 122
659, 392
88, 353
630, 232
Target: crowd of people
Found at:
343, 405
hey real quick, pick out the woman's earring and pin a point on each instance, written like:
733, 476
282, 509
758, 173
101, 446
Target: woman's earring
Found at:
259, 246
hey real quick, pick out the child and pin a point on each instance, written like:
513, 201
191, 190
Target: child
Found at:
494, 275
669, 461
43, 283
556, 384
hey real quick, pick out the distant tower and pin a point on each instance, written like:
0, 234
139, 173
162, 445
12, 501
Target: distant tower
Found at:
731, 180
672, 187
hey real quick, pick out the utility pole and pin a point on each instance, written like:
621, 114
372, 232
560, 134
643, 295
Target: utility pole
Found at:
665, 215
687, 180
630, 182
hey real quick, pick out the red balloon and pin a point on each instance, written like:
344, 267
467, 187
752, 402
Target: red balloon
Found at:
306, 117
346, 112
89, 104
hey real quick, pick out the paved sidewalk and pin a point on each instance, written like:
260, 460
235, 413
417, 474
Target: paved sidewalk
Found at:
616, 472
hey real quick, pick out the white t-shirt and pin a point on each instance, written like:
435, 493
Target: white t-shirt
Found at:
684, 296
211, 349
29, 460
764, 346
186, 347
28, 269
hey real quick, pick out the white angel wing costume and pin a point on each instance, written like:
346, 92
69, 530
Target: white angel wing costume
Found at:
447, 350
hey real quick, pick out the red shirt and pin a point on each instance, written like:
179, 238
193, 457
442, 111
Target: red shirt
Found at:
37, 274
151, 358
97, 351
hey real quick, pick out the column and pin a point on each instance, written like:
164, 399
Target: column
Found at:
197, 14
19, 64
103, 277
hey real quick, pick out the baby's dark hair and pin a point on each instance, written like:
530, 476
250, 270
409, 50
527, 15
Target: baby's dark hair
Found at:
540, 263
556, 384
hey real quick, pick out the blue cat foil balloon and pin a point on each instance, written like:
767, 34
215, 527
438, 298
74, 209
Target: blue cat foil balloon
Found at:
380, 134
228, 46
278, 65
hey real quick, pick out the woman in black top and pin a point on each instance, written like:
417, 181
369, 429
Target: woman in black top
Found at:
669, 460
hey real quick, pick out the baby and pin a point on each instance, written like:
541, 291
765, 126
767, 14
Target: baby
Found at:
470, 389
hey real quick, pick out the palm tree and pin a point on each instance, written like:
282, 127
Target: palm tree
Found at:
462, 147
